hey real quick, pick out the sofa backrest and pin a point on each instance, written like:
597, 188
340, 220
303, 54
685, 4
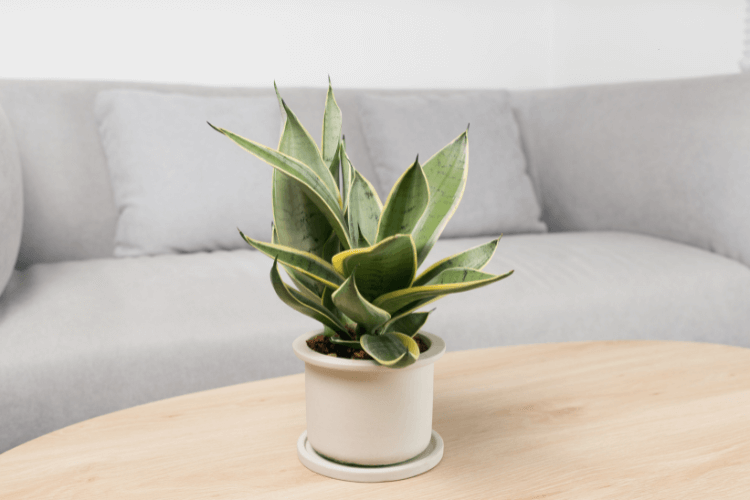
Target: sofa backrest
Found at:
69, 210
667, 158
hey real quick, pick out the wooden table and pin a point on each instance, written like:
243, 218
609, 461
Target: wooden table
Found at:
586, 420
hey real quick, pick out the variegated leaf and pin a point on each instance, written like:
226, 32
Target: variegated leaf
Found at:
449, 281
390, 265
311, 184
386, 349
349, 301
308, 264
331, 127
405, 204
446, 174
473, 258
300, 303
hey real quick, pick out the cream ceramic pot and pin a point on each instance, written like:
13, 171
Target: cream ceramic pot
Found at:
361, 413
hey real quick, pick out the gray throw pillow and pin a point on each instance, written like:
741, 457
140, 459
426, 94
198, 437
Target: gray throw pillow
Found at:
499, 196
180, 186
11, 201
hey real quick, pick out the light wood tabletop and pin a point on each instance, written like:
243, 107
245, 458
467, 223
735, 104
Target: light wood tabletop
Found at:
588, 420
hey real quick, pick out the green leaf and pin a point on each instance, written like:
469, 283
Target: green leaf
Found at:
349, 301
299, 144
302, 287
407, 323
311, 184
473, 258
300, 280
300, 303
388, 266
306, 263
355, 344
386, 349
331, 126
335, 166
412, 351
446, 175
302, 224
331, 247
347, 172
365, 208
405, 204
449, 281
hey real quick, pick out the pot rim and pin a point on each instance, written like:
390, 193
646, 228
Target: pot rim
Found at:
303, 352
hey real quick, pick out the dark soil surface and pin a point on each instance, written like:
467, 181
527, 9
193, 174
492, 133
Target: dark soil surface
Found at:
323, 345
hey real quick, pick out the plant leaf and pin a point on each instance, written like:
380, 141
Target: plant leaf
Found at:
446, 174
348, 343
299, 144
331, 127
335, 166
306, 263
365, 208
349, 301
301, 281
301, 223
300, 303
386, 349
331, 247
473, 258
412, 348
449, 281
406, 203
407, 323
347, 172
388, 266
311, 184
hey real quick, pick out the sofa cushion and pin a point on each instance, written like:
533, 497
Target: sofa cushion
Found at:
178, 185
11, 201
667, 158
83, 338
499, 197
596, 286
79, 339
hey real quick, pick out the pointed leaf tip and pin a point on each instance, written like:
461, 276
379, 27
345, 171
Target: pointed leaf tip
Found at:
215, 128
329, 80
467, 126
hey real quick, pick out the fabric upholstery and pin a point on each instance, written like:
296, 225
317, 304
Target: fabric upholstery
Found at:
667, 158
596, 286
11, 201
84, 338
79, 339
69, 209
499, 197
180, 186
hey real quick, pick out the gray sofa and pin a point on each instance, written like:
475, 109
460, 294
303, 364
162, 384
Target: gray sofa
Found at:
645, 189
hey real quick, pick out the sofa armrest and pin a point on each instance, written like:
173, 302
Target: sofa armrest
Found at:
11, 201
667, 158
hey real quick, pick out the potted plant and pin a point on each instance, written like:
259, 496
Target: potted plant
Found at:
353, 262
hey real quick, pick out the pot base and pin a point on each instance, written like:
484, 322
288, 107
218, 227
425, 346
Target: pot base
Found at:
423, 462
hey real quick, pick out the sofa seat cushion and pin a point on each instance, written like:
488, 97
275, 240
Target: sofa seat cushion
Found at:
596, 286
80, 339
84, 338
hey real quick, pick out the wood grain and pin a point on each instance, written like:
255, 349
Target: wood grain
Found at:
589, 420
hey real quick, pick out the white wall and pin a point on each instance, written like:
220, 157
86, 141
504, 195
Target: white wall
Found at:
377, 43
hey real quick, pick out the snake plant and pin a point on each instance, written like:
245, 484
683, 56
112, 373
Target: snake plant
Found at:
352, 259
